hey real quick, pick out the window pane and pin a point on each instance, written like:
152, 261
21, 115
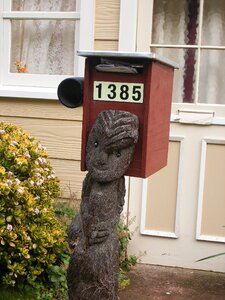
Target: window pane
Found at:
44, 46
175, 22
212, 77
44, 5
184, 79
213, 31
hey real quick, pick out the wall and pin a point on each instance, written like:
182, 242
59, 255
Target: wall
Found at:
59, 128
107, 24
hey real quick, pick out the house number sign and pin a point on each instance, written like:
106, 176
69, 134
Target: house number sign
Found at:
118, 91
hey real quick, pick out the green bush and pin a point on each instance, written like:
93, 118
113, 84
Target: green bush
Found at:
32, 242
125, 261
33, 250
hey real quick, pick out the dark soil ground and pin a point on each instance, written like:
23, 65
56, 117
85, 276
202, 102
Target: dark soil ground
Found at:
157, 282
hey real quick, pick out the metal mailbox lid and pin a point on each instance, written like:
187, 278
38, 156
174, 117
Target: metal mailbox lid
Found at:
133, 55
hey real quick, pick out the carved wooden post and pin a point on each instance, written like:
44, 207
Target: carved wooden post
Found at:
137, 86
93, 268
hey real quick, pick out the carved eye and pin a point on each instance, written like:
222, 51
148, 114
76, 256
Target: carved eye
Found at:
118, 153
96, 144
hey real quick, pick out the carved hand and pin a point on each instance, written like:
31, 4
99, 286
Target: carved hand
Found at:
98, 236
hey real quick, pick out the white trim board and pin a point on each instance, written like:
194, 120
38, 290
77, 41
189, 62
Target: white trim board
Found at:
28, 92
128, 25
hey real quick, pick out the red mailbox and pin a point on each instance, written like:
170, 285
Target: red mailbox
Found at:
140, 83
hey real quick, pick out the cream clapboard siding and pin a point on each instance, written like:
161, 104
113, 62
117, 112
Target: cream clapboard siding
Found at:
107, 24
59, 128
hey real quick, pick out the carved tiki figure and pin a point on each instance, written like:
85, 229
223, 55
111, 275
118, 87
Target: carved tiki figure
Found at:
93, 268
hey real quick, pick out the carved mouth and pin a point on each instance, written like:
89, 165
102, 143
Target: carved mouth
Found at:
100, 168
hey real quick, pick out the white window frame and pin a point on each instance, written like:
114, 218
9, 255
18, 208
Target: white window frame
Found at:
34, 85
144, 43
198, 47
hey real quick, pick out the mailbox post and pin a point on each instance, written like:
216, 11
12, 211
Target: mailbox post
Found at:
140, 83
126, 117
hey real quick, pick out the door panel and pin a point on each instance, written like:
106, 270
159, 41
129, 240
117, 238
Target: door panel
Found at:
182, 214
211, 208
160, 202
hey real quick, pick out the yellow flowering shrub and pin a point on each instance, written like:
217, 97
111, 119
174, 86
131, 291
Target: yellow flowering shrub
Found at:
31, 239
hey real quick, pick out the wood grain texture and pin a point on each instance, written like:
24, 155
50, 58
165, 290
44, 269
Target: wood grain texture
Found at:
107, 19
62, 138
46, 109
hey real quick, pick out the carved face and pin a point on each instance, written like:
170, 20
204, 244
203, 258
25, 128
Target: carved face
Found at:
111, 145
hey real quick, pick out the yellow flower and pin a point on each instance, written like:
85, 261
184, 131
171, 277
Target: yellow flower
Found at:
2, 170
21, 161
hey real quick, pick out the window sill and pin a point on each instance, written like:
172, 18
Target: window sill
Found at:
28, 92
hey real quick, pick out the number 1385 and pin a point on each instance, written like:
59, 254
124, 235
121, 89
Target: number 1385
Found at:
119, 92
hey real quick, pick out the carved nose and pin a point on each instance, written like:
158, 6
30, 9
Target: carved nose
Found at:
102, 158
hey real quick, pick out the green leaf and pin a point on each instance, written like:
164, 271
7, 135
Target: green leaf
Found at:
211, 256
9, 218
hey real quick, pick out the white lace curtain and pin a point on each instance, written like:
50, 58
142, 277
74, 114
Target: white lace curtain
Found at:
45, 46
170, 27
212, 72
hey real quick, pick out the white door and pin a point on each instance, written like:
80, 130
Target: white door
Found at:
180, 211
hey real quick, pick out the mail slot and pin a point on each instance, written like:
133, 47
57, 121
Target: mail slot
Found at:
140, 83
